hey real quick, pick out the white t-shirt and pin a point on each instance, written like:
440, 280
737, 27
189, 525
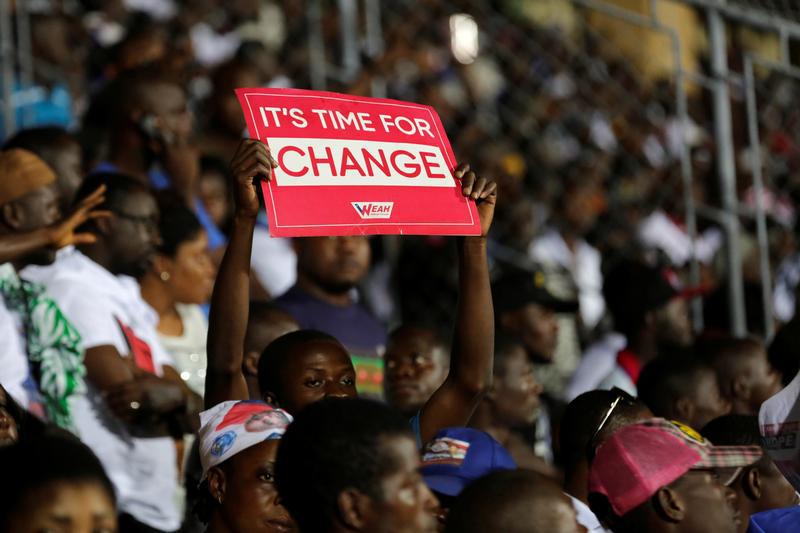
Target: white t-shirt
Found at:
14, 369
586, 517
779, 422
188, 350
598, 361
273, 261
109, 310
584, 266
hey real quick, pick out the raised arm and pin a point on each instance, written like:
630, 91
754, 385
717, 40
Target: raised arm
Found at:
472, 357
57, 235
228, 317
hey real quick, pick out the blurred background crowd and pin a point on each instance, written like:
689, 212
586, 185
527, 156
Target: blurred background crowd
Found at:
602, 155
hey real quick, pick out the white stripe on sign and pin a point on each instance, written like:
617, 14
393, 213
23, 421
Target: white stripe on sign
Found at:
304, 162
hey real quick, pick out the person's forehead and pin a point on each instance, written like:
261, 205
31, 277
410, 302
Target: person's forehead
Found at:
412, 338
403, 450
257, 456
321, 354
139, 203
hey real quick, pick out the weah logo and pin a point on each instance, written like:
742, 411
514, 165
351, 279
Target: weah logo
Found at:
367, 210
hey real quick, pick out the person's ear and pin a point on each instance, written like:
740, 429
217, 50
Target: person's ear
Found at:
12, 216
250, 363
508, 321
751, 484
740, 389
216, 484
668, 505
270, 397
162, 266
354, 508
104, 225
683, 409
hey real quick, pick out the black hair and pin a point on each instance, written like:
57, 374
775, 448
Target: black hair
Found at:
501, 501
667, 379
177, 224
42, 141
442, 336
504, 344
725, 355
49, 458
733, 430
119, 188
782, 352
333, 445
583, 417
277, 354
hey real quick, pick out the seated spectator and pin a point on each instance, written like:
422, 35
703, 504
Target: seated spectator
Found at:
588, 420
759, 487
328, 270
305, 366
658, 476
517, 501
682, 388
512, 402
58, 485
62, 153
456, 458
42, 365
149, 134
266, 323
136, 402
417, 361
524, 307
746, 378
238, 447
651, 314
179, 281
349, 464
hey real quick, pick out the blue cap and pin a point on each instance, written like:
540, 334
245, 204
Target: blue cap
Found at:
458, 456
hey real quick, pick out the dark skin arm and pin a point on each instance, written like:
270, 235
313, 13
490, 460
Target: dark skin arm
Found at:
472, 357
62, 233
227, 322
166, 405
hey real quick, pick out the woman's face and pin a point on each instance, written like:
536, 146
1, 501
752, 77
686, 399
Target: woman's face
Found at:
191, 271
65, 507
250, 502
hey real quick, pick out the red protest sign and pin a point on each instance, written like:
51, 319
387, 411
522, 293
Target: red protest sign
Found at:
350, 165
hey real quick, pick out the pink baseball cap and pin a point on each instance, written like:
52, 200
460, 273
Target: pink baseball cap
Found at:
637, 460
230, 427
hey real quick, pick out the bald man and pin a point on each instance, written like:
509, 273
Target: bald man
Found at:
746, 377
516, 501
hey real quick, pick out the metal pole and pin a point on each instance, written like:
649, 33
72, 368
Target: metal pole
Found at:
727, 171
374, 31
758, 186
316, 46
348, 18
7, 66
25, 58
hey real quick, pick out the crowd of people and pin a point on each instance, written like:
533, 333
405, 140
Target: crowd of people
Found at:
166, 365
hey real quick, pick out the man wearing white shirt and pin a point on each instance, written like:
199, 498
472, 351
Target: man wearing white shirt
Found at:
136, 402
573, 271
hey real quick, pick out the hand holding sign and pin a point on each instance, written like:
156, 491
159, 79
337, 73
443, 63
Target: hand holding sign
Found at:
482, 191
252, 159
349, 165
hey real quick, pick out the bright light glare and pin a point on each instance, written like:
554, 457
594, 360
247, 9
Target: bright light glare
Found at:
464, 38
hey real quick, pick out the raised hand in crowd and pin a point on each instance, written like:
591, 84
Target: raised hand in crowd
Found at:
230, 300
